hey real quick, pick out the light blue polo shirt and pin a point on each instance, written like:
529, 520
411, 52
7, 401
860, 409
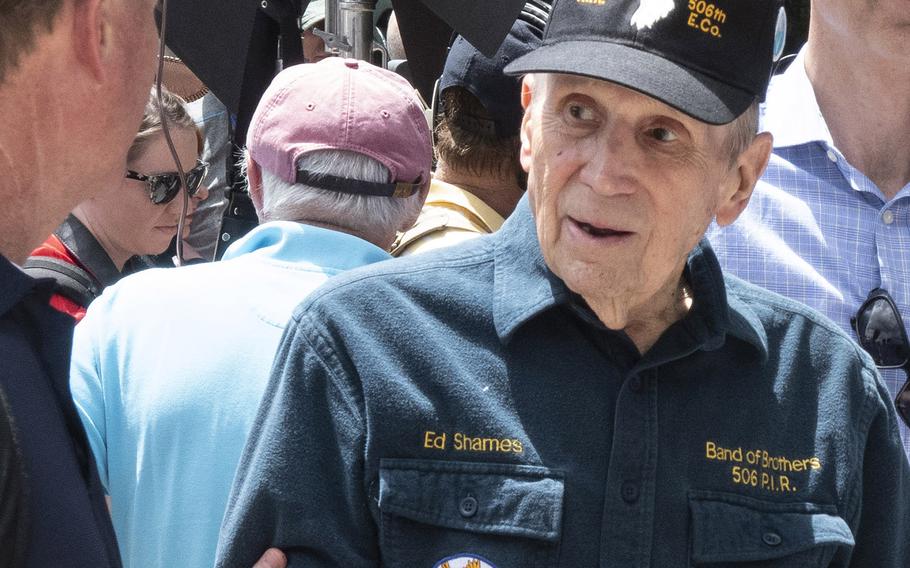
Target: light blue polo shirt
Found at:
168, 370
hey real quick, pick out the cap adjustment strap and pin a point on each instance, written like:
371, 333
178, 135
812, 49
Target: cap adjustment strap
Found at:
347, 185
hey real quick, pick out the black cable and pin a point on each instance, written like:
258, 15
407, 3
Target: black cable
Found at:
181, 223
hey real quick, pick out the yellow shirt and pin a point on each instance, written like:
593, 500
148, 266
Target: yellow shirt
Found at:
450, 215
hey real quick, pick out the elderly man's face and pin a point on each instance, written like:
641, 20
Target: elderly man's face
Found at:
622, 188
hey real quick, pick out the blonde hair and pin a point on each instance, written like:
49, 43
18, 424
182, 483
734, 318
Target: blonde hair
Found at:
174, 110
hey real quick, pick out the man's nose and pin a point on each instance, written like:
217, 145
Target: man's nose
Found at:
610, 165
201, 192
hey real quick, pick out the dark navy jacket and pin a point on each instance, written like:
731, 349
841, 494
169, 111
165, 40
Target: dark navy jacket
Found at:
13, 511
68, 518
466, 409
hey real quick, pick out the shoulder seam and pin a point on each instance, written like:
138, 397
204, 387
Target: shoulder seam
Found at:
464, 262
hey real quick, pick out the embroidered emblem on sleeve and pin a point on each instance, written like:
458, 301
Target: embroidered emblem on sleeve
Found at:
464, 561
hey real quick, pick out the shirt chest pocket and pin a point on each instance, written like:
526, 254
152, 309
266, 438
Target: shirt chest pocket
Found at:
740, 532
453, 514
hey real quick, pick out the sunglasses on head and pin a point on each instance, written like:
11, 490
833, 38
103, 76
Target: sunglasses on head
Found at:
165, 187
881, 333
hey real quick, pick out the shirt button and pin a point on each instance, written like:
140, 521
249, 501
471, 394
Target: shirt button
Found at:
888, 216
771, 538
832, 156
468, 507
629, 492
635, 384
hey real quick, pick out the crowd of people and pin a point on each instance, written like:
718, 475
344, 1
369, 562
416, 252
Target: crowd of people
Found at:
648, 308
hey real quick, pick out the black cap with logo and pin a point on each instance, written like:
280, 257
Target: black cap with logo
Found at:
710, 59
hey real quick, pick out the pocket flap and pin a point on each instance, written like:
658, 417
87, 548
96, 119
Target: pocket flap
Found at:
503, 499
730, 527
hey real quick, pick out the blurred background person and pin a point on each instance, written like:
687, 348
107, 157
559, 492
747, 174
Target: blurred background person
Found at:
829, 223
74, 76
478, 179
313, 19
138, 216
167, 422
215, 122
312, 22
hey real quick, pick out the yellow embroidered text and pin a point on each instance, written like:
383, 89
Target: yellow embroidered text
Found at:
463, 443
759, 468
706, 17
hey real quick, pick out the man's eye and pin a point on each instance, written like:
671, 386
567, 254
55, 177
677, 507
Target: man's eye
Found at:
663, 134
581, 112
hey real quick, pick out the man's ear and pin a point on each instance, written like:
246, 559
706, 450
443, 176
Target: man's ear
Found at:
527, 88
527, 93
407, 223
254, 183
749, 167
92, 29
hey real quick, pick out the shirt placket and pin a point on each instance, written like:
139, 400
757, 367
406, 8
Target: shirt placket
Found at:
892, 240
628, 516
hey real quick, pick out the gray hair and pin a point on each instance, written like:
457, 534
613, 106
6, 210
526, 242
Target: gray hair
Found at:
362, 214
742, 131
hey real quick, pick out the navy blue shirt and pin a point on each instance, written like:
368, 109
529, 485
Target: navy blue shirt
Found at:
13, 512
69, 525
465, 408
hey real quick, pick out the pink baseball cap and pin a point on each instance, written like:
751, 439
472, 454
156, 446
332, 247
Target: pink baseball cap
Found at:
343, 104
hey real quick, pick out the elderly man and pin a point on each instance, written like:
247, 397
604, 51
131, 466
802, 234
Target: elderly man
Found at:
830, 221
585, 387
167, 380
74, 79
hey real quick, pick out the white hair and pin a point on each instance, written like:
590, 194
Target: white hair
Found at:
361, 214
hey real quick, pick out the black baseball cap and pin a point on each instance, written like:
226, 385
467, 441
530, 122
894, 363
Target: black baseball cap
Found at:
710, 59
483, 76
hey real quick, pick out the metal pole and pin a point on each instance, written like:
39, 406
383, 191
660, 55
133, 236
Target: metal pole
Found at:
356, 26
331, 17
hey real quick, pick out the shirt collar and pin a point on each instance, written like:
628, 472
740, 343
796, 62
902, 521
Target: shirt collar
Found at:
85, 247
716, 313
524, 286
443, 194
292, 242
791, 111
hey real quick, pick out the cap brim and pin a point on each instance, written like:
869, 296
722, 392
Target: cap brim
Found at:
686, 90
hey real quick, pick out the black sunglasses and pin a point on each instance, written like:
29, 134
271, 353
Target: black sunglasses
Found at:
165, 187
881, 332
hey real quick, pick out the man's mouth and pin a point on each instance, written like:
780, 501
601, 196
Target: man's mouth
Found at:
596, 231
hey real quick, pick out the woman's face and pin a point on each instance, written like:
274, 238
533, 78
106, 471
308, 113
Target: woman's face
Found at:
139, 226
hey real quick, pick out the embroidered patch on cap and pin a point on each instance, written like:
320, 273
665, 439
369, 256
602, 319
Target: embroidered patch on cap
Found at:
464, 561
650, 12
